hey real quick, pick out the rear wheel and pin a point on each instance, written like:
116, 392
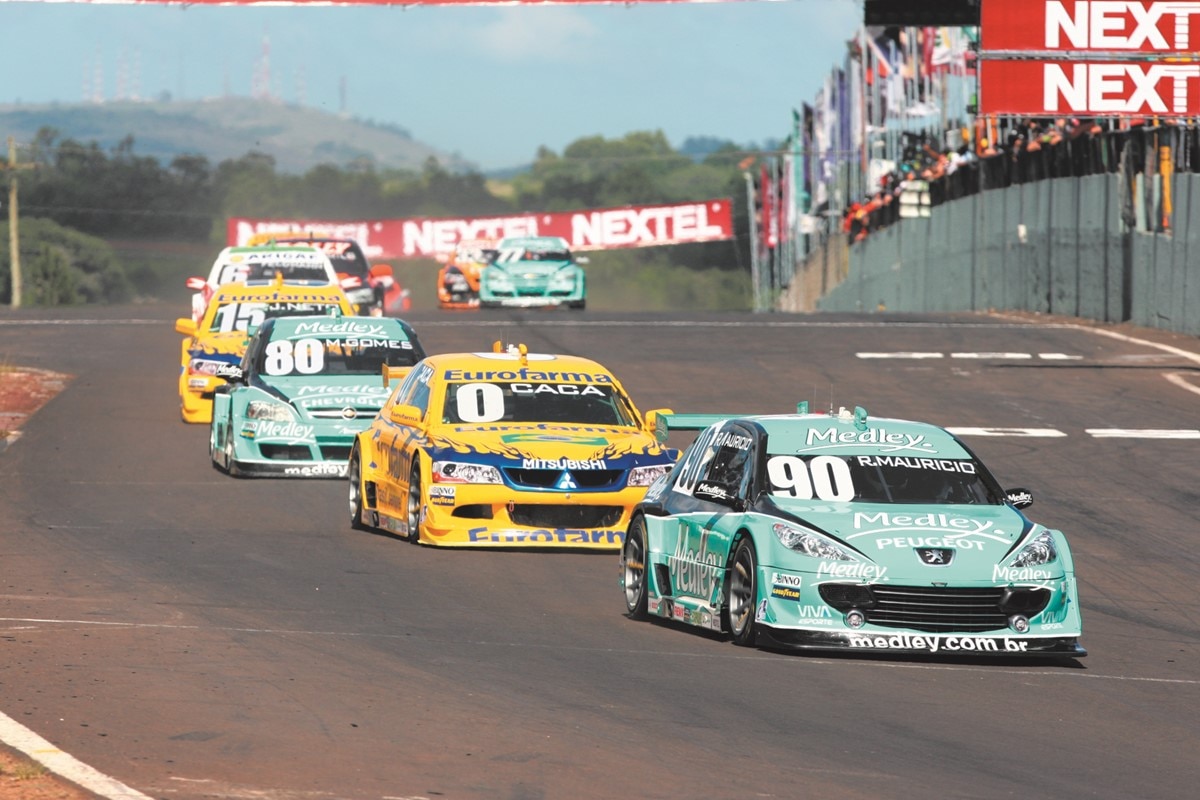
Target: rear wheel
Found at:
354, 472
414, 503
634, 565
742, 593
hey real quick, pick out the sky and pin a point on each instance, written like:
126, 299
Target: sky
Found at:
489, 84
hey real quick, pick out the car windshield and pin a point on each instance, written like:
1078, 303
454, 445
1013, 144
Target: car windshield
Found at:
878, 478
260, 271
581, 404
308, 271
546, 255
240, 315
301, 356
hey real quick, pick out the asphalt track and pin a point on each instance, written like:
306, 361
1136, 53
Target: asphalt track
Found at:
188, 635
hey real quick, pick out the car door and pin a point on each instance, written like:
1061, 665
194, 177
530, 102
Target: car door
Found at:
715, 479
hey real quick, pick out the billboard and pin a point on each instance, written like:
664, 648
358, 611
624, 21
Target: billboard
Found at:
1090, 26
1053, 88
1093, 58
594, 229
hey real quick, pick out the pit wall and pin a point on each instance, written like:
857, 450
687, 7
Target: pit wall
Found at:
1056, 246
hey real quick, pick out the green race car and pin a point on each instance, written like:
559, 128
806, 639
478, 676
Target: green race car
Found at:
842, 532
306, 386
534, 271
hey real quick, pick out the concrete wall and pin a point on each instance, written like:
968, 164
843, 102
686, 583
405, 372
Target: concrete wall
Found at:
1056, 246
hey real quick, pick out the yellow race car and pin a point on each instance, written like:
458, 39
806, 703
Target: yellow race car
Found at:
506, 449
215, 344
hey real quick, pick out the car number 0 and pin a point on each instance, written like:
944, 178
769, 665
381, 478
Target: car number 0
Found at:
306, 356
479, 402
825, 477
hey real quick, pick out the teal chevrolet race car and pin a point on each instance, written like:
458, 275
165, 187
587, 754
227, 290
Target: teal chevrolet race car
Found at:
843, 532
305, 387
533, 271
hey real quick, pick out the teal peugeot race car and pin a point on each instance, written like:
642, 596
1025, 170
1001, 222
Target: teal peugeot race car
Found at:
305, 387
849, 533
533, 271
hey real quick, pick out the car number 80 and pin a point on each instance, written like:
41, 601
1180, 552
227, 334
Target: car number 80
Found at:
824, 477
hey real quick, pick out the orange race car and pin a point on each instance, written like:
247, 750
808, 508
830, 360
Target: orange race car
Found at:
458, 279
372, 288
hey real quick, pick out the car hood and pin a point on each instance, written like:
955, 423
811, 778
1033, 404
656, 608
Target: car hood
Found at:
225, 346
326, 393
972, 539
531, 269
549, 445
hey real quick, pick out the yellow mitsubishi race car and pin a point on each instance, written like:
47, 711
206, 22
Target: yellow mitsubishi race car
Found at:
215, 344
506, 449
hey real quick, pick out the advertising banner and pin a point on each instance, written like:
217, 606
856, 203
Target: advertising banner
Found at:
596, 229
1061, 88
1121, 26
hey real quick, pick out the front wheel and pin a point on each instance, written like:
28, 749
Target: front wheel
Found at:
414, 503
354, 472
742, 594
634, 573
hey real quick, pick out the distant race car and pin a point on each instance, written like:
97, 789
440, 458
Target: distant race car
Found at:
844, 532
305, 388
534, 271
299, 265
506, 449
372, 288
213, 346
458, 278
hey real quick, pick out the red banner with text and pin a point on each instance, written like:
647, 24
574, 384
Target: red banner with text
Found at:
596, 229
1125, 26
1090, 88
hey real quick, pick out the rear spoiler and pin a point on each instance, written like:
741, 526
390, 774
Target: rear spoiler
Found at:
665, 423
391, 373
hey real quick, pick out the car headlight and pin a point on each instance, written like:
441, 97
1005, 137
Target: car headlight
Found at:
499, 280
459, 472
644, 476
1040, 550
262, 409
809, 543
563, 279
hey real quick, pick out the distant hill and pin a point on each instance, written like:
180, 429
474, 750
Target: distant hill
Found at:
228, 128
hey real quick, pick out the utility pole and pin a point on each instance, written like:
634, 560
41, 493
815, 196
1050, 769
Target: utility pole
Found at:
14, 242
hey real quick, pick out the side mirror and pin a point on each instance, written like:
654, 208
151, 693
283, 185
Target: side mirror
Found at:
186, 325
233, 373
196, 284
1019, 498
405, 415
581, 259
652, 423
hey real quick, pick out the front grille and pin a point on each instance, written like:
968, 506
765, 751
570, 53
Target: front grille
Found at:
367, 412
335, 452
533, 515
548, 478
941, 608
287, 452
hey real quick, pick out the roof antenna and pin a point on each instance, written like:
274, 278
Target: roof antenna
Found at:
831, 398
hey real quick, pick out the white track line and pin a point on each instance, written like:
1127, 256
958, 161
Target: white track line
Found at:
18, 736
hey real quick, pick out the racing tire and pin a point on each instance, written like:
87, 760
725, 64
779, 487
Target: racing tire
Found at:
578, 305
414, 503
635, 574
741, 594
231, 465
354, 473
